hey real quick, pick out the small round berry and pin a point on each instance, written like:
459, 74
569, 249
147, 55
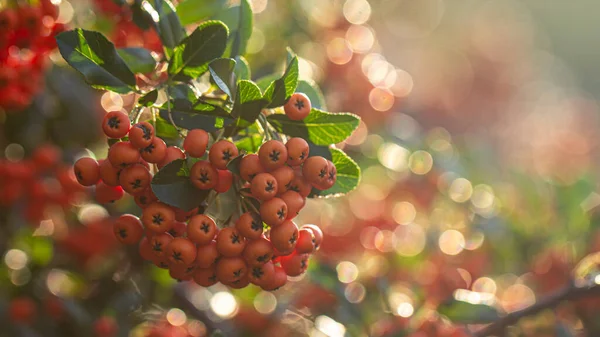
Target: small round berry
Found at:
207, 255
230, 242
294, 201
141, 135
155, 152
145, 249
145, 198
108, 173
181, 272
250, 166
87, 171
172, 153
284, 176
306, 241
116, 124
224, 181
106, 194
201, 229
295, 264
279, 280
284, 237
128, 229
250, 225
203, 175
221, 153
205, 277
239, 284
159, 244
178, 229
317, 233
300, 185
231, 269
161, 261
297, 107
261, 275
272, 154
123, 154
158, 217
195, 143
135, 179
264, 186
181, 251
316, 170
273, 212
297, 151
258, 252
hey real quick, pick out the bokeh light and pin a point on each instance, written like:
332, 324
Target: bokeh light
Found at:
451, 242
224, 304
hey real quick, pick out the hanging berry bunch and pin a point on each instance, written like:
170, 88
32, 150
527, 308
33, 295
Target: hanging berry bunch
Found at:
221, 165
26, 36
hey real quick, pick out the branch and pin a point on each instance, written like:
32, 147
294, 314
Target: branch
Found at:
568, 293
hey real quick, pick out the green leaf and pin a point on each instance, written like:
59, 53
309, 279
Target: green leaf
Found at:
468, 313
149, 98
314, 93
96, 59
139, 60
222, 72
191, 57
242, 68
164, 129
243, 30
249, 101
192, 11
169, 27
348, 175
280, 91
265, 81
320, 127
223, 207
250, 139
204, 116
176, 190
234, 164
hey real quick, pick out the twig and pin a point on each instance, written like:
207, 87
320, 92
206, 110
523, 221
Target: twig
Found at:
568, 293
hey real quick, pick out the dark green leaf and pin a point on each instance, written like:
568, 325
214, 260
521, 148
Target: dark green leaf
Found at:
149, 98
265, 81
242, 68
468, 313
164, 129
169, 27
176, 190
96, 59
223, 207
249, 102
139, 16
243, 30
318, 150
234, 164
282, 89
348, 175
192, 11
139, 60
320, 127
314, 93
191, 57
206, 117
222, 72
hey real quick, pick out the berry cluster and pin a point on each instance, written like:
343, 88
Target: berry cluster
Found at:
272, 185
26, 36
35, 184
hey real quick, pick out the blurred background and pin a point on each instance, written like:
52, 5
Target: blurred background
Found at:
478, 149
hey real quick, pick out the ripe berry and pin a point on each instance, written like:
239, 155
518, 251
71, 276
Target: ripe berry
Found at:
300, 185
128, 229
272, 154
306, 241
161, 261
172, 153
203, 175
106, 194
116, 124
178, 229
123, 154
221, 153
224, 181
87, 171
294, 201
295, 264
159, 244
317, 233
108, 173
298, 107
155, 152
264, 186
22, 310
273, 212
145, 198
330, 178
230, 242
279, 280
250, 225
284, 176
201, 229
205, 277
207, 255
250, 166
141, 135
135, 179
195, 143
145, 249
239, 284
258, 252
181, 251
8, 21
181, 272
229, 269
315, 170
297, 151
105, 326
284, 237
261, 275
158, 217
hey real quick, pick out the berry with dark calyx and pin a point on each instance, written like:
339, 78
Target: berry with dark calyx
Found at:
108, 173
116, 124
106, 194
195, 143
316, 170
239, 284
284, 237
155, 152
279, 279
284, 176
258, 252
330, 179
221, 153
300, 184
128, 229
295, 264
204, 175
272, 154
297, 107
298, 151
224, 181
207, 255
123, 154
306, 241
264, 186
159, 245
158, 217
135, 179
317, 233
201, 229
180, 273
230, 242
250, 225
250, 167
261, 275
294, 201
178, 229
205, 277
172, 153
274, 212
145, 198
87, 171
230, 269
181, 251
141, 134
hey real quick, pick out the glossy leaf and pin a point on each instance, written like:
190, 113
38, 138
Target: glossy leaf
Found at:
314, 93
320, 127
164, 129
139, 60
207, 117
176, 190
192, 11
96, 59
222, 72
348, 175
169, 27
241, 34
280, 91
149, 98
242, 68
249, 101
468, 313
